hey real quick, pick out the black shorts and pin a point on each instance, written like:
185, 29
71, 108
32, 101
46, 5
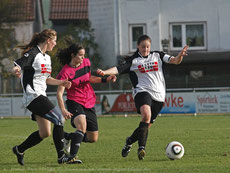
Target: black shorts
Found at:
144, 98
40, 106
77, 109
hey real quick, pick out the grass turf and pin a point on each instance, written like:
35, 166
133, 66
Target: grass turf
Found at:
206, 140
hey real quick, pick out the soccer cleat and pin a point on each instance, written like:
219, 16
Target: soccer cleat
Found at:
126, 149
69, 160
75, 161
141, 153
19, 155
66, 145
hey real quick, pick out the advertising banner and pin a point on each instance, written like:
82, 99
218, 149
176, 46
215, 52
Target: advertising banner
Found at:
213, 102
18, 108
179, 103
123, 103
107, 101
175, 103
5, 106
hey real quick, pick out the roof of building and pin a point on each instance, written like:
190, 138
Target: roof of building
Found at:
68, 10
24, 10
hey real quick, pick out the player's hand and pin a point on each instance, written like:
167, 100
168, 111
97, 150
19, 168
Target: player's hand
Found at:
100, 72
66, 114
184, 51
17, 71
67, 84
112, 78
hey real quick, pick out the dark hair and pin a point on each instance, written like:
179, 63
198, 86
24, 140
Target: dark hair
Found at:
64, 55
143, 38
38, 38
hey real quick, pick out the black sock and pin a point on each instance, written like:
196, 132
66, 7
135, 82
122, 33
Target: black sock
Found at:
76, 139
85, 139
31, 141
134, 137
58, 136
146, 136
143, 134
67, 136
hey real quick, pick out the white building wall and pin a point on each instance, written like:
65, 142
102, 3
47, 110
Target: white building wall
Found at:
101, 15
24, 32
111, 20
139, 12
224, 24
215, 12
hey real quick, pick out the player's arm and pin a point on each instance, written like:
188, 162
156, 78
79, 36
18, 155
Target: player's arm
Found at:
52, 81
104, 79
17, 71
178, 59
19, 64
60, 93
111, 71
122, 68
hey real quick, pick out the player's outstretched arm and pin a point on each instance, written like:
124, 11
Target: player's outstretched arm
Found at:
111, 71
178, 59
95, 79
51, 81
112, 78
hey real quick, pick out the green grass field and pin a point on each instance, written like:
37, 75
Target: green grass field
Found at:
206, 140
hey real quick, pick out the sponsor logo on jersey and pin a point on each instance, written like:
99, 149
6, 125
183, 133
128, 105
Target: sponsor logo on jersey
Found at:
45, 68
26, 54
148, 67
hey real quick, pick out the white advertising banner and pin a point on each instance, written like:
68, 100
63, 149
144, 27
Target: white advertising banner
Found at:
213, 102
18, 108
5, 106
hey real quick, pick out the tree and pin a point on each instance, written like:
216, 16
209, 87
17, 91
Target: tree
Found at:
7, 44
82, 34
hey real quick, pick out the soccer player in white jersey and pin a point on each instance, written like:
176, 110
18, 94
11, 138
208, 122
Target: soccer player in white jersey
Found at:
34, 69
145, 69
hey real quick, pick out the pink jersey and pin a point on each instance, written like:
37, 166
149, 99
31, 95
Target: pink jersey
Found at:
81, 90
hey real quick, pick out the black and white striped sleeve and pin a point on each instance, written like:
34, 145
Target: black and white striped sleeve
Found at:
164, 57
124, 67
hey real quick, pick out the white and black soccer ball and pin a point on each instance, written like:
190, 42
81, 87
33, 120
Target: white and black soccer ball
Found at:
174, 150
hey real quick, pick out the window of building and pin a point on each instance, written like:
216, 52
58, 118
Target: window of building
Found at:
135, 31
191, 34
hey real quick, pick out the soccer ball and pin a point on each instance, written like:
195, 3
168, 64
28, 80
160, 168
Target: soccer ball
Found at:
174, 150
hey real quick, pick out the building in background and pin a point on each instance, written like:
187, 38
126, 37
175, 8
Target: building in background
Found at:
30, 19
19, 20
64, 13
117, 25
46, 10
171, 25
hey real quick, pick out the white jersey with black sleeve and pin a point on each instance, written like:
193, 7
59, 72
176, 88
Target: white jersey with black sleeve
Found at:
146, 73
35, 69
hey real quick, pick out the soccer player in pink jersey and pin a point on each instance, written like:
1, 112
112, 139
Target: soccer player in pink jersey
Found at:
80, 96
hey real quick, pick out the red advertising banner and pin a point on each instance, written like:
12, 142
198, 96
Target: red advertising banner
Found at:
124, 103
